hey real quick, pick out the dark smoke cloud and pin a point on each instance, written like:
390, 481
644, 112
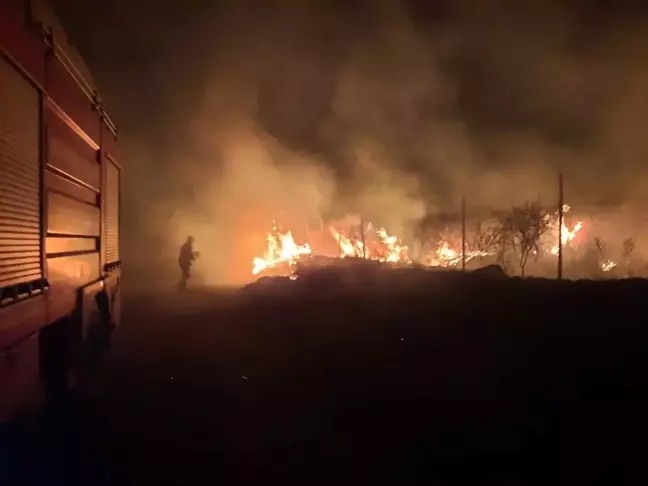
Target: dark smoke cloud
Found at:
237, 112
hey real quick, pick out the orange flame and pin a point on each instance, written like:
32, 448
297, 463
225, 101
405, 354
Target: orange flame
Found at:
395, 251
349, 247
381, 246
281, 249
568, 235
446, 256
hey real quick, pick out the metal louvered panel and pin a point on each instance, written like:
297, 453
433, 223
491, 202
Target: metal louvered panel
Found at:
111, 214
68, 216
20, 239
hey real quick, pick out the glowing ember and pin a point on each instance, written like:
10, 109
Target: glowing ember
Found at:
445, 255
608, 265
281, 249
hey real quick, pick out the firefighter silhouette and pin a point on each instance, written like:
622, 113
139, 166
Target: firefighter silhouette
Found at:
186, 258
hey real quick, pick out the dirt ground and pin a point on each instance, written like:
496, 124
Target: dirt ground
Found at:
464, 380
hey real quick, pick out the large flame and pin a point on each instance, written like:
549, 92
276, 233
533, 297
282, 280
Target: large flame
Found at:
567, 234
281, 249
394, 250
348, 246
379, 245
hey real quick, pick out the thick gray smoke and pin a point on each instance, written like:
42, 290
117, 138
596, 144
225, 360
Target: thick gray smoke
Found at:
241, 114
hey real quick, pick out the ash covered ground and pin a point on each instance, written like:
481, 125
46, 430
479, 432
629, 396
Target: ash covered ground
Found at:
361, 372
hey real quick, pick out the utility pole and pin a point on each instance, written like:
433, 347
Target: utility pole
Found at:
560, 226
463, 234
362, 238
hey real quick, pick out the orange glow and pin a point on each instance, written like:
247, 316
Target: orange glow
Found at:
281, 249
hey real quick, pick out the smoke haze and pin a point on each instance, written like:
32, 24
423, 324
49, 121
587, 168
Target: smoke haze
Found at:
234, 114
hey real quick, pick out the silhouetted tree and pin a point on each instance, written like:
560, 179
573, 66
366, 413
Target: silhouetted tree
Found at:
486, 238
600, 249
522, 228
628, 247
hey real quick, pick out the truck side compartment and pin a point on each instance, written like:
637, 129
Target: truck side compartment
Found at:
60, 175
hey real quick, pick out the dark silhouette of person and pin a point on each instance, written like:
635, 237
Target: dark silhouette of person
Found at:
186, 258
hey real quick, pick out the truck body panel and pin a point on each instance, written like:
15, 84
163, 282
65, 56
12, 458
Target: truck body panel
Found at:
60, 178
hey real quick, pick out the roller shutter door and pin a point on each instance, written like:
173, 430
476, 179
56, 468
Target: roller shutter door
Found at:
20, 239
111, 221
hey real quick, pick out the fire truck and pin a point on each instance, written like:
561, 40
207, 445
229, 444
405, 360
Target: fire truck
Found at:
60, 175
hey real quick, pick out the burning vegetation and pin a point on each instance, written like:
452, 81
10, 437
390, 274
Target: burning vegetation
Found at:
525, 233
522, 241
281, 250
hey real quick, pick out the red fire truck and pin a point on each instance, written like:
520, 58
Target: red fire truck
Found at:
59, 210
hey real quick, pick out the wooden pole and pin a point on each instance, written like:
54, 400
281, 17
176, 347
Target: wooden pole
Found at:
362, 237
560, 226
463, 234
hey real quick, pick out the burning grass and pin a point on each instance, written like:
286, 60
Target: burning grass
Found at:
593, 247
353, 238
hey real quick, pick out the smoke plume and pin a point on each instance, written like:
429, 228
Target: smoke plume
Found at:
247, 114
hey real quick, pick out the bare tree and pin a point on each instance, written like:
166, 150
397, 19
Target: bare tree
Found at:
602, 260
600, 249
628, 247
522, 228
486, 238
